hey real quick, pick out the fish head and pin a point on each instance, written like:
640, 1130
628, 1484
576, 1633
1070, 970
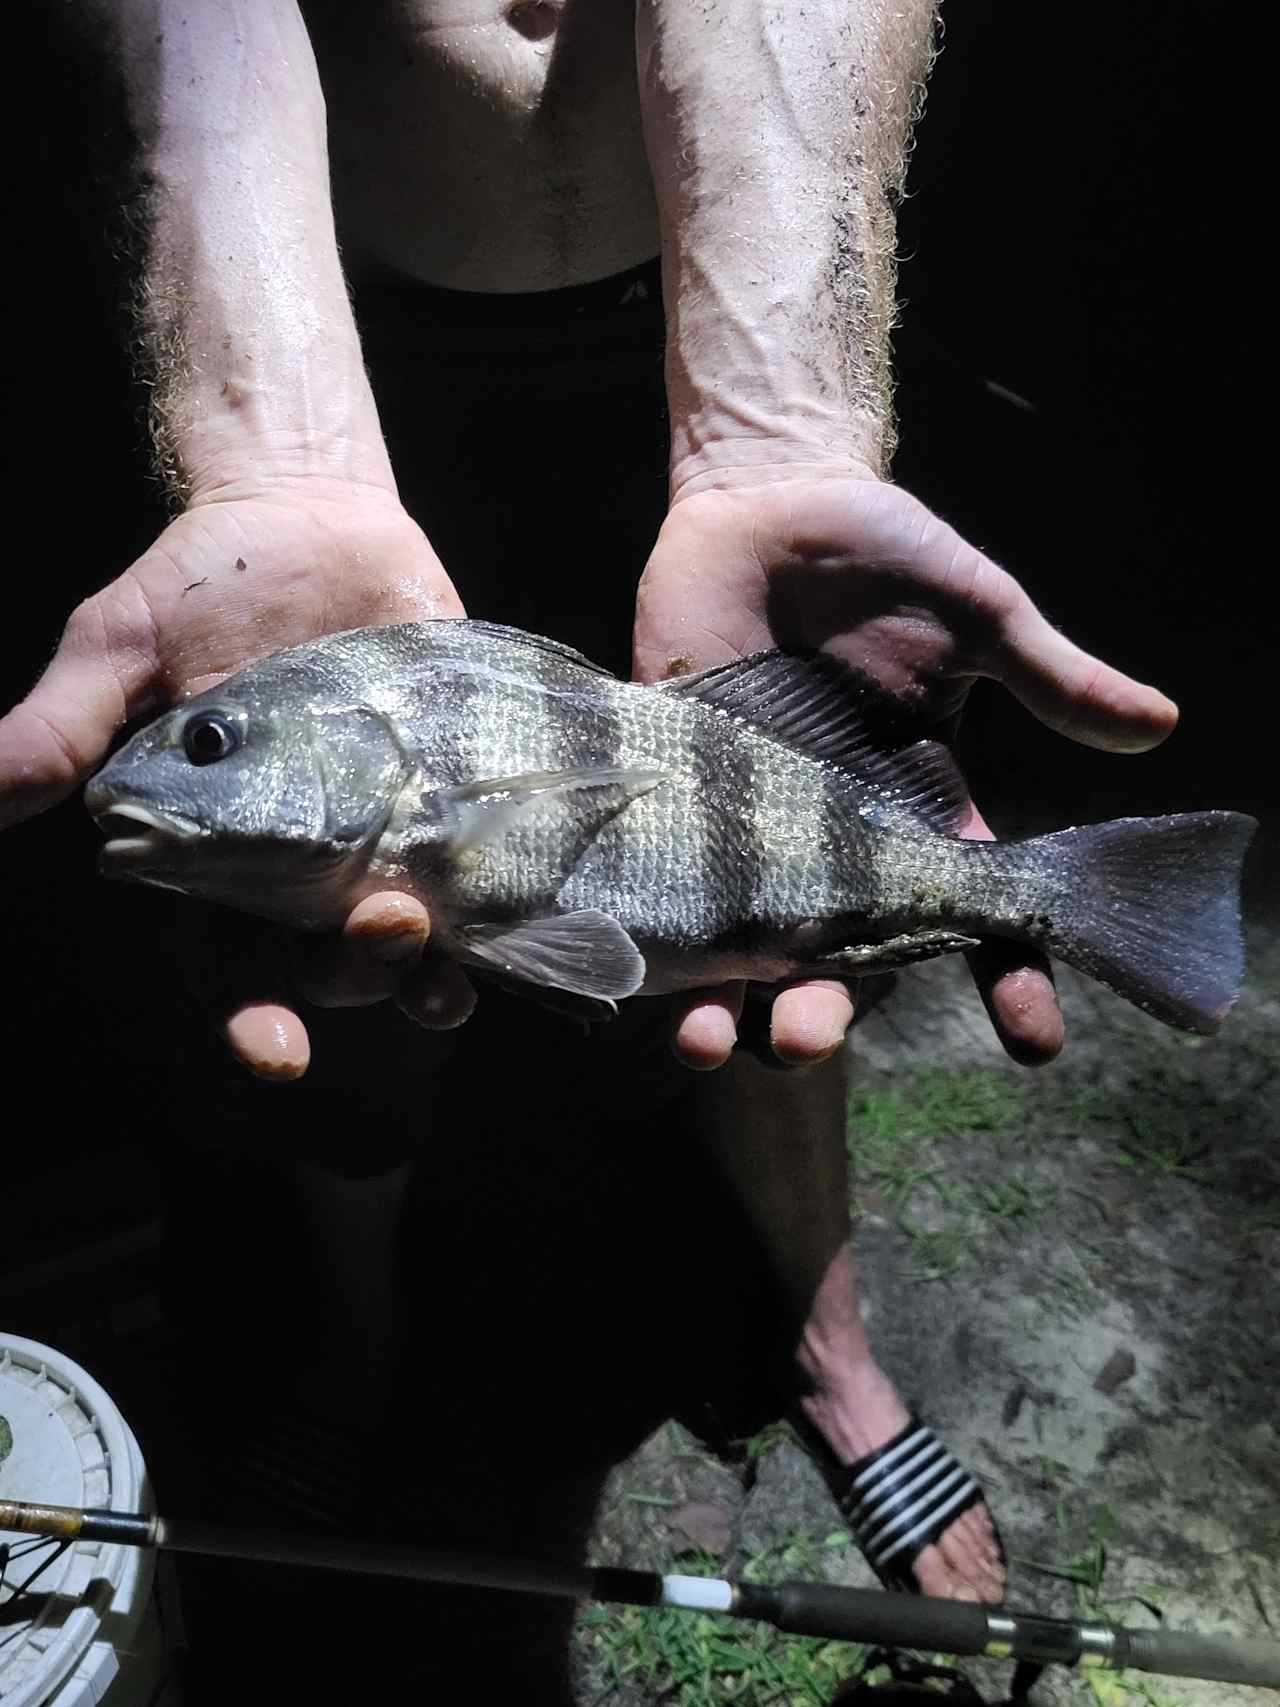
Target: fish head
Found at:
268, 802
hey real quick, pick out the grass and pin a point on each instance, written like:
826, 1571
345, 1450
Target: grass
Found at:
934, 1101
760, 1444
898, 1145
702, 1660
1156, 1122
1072, 1291
1118, 1689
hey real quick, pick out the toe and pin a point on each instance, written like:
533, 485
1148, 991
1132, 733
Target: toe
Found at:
970, 1557
933, 1574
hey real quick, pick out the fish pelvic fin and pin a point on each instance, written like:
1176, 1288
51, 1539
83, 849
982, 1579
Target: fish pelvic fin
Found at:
586, 953
1150, 907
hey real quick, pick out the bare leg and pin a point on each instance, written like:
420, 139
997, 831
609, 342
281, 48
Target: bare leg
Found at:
781, 1140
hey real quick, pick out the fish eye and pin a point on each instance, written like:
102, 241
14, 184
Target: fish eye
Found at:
208, 737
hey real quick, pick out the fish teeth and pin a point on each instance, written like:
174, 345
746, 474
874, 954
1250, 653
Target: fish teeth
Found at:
167, 827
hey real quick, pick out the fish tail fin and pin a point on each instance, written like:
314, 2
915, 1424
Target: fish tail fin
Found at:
1150, 907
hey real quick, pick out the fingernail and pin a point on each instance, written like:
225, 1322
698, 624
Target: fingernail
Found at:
276, 1071
269, 1042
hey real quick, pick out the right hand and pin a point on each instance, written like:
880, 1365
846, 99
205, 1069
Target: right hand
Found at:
237, 576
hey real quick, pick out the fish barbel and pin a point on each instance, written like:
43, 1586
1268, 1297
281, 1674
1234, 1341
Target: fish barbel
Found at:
573, 833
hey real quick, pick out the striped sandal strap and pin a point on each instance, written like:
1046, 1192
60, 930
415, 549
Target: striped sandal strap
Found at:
902, 1497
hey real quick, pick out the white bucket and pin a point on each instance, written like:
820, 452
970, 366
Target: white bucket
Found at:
95, 1634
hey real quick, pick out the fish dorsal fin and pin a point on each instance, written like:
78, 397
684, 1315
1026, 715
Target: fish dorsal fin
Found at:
587, 953
538, 643
484, 810
822, 708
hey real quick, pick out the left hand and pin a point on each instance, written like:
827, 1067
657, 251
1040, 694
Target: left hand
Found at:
835, 558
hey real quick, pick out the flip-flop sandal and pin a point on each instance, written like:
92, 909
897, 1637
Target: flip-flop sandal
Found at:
898, 1499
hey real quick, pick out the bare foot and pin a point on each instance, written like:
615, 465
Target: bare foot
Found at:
861, 1412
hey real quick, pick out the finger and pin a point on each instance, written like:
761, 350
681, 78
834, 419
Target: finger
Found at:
1071, 691
101, 675
1016, 984
230, 969
810, 1020
707, 1026
270, 1040
383, 937
1017, 990
437, 995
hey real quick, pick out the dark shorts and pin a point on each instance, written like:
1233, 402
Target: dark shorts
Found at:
529, 437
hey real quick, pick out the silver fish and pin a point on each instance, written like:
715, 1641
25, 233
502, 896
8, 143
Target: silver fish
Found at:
576, 834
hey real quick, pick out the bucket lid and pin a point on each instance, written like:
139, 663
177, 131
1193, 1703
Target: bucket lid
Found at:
63, 1442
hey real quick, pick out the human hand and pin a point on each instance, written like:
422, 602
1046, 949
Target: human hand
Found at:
252, 570
837, 559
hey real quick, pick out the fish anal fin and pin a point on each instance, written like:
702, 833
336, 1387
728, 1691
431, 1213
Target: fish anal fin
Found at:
820, 707
587, 953
865, 958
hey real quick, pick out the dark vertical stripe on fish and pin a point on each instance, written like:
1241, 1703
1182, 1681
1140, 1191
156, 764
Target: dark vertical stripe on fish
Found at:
733, 860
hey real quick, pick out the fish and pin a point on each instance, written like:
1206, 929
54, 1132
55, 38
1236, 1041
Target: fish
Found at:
586, 839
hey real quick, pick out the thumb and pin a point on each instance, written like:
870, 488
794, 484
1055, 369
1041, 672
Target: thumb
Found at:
60, 733
1073, 692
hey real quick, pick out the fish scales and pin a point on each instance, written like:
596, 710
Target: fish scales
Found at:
561, 721
745, 802
575, 832
548, 722
822, 863
650, 863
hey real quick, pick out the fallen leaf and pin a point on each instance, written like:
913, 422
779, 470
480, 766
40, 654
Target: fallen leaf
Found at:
1116, 1370
1015, 1399
707, 1525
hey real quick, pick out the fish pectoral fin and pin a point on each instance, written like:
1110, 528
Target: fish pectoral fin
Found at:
483, 811
893, 951
587, 953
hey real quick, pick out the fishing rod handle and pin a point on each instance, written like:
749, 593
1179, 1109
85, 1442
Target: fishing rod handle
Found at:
865, 1615
1186, 1653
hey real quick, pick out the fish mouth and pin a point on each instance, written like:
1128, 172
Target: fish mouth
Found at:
138, 835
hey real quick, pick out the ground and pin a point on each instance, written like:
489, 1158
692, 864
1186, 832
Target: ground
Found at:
1073, 1274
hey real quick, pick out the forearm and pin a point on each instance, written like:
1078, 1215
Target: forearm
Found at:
777, 144
245, 333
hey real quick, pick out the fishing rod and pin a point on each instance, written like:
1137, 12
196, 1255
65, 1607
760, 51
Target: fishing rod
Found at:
798, 1608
